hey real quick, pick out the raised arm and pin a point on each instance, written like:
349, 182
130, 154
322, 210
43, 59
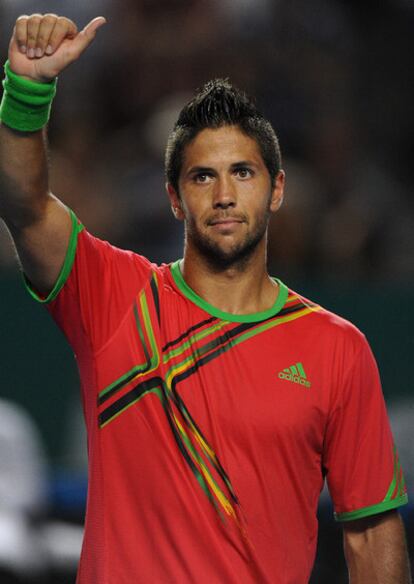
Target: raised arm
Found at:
376, 551
40, 48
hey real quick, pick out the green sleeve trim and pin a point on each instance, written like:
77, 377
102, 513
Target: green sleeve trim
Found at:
254, 317
66, 268
372, 510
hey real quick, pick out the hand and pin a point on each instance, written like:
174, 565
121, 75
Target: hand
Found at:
43, 45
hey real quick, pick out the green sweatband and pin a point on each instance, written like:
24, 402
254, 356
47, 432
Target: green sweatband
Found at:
26, 104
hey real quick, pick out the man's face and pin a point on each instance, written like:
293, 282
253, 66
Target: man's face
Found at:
226, 196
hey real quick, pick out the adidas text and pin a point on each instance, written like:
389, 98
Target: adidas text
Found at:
294, 379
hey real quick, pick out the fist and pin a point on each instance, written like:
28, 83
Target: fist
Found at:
43, 45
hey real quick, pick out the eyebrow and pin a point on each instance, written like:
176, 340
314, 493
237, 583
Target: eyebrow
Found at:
233, 166
243, 163
199, 169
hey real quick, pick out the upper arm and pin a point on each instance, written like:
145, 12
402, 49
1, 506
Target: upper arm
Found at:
364, 473
383, 525
42, 244
375, 549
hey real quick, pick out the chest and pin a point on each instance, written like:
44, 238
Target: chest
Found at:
268, 377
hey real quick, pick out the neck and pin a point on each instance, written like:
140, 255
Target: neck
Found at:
244, 288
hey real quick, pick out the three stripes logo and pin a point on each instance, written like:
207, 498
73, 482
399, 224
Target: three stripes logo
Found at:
295, 374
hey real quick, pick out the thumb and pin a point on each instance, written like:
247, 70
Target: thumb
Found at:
86, 36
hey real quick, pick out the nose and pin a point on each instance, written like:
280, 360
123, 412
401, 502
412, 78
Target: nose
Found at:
224, 194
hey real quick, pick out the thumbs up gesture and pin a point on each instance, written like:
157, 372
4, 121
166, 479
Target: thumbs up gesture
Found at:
42, 45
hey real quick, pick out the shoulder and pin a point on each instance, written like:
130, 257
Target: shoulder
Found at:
329, 329
103, 261
91, 249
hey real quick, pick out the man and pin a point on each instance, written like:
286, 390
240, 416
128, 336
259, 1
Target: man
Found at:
216, 399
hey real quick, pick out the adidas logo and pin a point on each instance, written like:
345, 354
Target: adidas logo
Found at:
295, 374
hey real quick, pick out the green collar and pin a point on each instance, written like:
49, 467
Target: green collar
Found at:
254, 317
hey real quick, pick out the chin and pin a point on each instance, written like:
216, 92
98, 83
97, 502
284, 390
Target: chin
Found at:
221, 257
226, 252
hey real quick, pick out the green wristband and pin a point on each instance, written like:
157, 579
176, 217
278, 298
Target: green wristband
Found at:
26, 104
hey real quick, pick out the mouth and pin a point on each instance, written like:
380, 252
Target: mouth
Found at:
225, 221
226, 226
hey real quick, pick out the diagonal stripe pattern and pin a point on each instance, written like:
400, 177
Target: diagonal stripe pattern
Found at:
179, 359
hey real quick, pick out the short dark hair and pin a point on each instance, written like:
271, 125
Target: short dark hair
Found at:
218, 103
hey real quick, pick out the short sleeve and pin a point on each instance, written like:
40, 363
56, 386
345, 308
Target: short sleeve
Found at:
360, 459
96, 286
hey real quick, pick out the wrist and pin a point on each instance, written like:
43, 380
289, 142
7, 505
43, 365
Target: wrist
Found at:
26, 103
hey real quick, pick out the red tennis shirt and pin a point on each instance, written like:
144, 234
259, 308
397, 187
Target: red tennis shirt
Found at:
210, 434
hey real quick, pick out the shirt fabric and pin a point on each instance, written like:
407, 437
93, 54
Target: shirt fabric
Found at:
210, 434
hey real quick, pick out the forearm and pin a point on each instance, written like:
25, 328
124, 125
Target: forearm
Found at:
29, 90
41, 47
376, 551
23, 176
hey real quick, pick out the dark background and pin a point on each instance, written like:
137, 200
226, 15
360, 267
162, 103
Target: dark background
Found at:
336, 80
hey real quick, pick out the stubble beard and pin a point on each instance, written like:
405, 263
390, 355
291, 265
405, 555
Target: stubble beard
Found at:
220, 258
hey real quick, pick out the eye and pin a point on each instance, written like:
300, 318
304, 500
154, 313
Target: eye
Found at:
243, 172
202, 177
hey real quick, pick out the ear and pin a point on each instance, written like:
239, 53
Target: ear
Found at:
175, 202
277, 192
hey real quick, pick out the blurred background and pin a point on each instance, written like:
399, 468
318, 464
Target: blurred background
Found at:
336, 80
